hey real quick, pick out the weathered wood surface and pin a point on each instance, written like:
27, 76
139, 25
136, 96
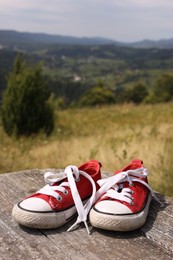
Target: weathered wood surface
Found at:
153, 241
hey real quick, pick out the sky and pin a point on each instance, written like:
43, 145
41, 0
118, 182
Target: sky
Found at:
121, 20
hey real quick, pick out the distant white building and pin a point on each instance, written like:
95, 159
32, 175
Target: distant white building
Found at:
77, 78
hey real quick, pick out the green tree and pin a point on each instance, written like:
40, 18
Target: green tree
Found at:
98, 95
138, 93
25, 107
163, 88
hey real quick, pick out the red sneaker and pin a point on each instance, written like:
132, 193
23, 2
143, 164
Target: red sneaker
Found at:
124, 199
66, 192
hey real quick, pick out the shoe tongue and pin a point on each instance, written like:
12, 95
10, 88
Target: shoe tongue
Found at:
135, 164
118, 171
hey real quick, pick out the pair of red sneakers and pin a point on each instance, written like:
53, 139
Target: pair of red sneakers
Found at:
119, 203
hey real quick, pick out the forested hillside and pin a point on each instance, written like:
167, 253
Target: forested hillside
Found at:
72, 70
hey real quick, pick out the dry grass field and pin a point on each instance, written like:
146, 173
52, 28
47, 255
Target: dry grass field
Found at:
114, 135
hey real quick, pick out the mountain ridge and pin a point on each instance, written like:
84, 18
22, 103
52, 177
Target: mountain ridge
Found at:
11, 38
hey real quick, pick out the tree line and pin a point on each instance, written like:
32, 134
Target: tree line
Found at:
30, 98
79, 94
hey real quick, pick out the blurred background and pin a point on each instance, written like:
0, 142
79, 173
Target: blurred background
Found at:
83, 80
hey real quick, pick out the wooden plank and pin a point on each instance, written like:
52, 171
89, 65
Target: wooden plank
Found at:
153, 241
159, 226
19, 242
109, 245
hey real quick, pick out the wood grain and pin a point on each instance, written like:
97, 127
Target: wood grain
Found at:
153, 241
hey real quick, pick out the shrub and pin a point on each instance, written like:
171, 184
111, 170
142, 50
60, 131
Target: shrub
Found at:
98, 95
163, 89
138, 94
25, 107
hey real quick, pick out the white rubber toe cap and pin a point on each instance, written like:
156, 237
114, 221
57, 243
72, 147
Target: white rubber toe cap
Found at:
35, 204
112, 207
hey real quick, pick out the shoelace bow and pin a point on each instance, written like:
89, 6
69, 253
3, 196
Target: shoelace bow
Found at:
72, 173
108, 186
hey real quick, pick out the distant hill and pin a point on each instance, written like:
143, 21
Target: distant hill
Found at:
11, 39
14, 37
160, 44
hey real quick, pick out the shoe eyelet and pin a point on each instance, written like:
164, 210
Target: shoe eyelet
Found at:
65, 192
59, 198
132, 192
131, 184
132, 203
77, 180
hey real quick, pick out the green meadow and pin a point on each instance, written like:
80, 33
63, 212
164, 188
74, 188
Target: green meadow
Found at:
114, 135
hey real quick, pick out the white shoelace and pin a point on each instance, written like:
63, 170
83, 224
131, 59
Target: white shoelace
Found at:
72, 173
109, 187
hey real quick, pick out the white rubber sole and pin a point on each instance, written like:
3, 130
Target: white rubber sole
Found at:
42, 220
124, 222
